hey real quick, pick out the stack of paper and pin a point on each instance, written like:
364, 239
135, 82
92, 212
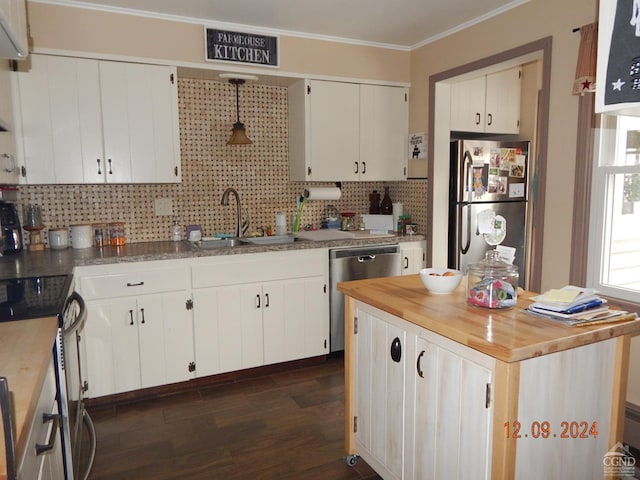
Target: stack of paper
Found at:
576, 306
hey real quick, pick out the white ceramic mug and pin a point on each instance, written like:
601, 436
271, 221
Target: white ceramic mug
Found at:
58, 238
81, 235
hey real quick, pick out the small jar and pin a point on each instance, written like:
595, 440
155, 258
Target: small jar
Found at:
403, 220
348, 221
492, 282
116, 234
100, 234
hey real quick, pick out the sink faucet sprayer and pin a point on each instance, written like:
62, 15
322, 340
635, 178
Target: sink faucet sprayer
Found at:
241, 226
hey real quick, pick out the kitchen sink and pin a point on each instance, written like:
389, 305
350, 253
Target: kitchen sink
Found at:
271, 240
212, 243
218, 243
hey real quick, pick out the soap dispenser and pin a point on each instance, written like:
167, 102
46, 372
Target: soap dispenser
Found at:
176, 231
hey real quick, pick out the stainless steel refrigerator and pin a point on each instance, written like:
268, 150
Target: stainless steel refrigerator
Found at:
487, 183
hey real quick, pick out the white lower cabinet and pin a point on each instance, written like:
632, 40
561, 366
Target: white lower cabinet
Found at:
380, 393
42, 458
449, 417
138, 342
422, 408
412, 256
139, 331
259, 309
154, 323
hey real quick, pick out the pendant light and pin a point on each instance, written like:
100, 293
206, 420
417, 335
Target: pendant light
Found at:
238, 133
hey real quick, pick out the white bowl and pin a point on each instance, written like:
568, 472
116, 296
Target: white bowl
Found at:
435, 280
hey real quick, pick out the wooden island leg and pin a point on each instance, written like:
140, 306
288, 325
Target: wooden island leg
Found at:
503, 458
619, 392
349, 375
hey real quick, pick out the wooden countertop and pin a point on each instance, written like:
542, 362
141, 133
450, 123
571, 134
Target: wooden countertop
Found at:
26, 347
509, 335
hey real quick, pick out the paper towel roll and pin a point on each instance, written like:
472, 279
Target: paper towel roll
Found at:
397, 211
323, 193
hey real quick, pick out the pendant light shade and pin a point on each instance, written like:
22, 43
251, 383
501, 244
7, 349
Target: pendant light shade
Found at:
238, 133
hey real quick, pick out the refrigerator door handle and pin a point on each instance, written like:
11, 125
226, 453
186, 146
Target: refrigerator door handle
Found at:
467, 178
464, 249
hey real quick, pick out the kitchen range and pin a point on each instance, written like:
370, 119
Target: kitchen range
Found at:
33, 298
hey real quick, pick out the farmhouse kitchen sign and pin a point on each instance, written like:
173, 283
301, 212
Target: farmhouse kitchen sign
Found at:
238, 47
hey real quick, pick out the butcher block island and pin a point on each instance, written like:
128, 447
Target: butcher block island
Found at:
436, 388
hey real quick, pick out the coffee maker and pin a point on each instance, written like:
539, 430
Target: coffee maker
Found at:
11, 239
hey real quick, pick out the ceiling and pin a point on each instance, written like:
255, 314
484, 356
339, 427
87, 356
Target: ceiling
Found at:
403, 24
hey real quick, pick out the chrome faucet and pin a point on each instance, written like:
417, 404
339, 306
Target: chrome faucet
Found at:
241, 226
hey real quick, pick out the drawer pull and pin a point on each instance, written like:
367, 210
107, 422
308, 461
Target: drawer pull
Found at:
138, 284
418, 367
49, 417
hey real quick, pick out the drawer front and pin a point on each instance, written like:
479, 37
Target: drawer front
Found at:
133, 283
262, 267
39, 432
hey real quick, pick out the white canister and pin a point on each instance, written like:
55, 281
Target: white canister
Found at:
58, 238
281, 223
81, 235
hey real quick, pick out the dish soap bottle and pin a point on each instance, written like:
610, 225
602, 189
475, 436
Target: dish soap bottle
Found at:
386, 206
176, 231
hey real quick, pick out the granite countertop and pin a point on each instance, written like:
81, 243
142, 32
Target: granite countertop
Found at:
26, 347
62, 262
509, 335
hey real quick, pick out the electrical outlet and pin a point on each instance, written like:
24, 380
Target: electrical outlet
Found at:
163, 206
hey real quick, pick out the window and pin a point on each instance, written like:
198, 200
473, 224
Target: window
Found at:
614, 230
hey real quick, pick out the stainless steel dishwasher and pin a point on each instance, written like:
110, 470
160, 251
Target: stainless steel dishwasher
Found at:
356, 263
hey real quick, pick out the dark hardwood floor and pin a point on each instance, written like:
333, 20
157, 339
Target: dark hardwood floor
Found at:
285, 425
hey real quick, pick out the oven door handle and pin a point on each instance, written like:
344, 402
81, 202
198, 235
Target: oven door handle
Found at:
82, 314
7, 422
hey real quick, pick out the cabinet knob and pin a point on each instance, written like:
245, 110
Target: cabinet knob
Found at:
142, 313
356, 164
406, 263
478, 117
131, 317
396, 350
489, 119
258, 300
266, 297
110, 170
99, 169
364, 167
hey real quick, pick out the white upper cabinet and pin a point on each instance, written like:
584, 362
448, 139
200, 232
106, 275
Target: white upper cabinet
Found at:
8, 166
487, 104
14, 42
618, 68
91, 121
342, 131
384, 132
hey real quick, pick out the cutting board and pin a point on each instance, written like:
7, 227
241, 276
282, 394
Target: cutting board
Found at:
325, 234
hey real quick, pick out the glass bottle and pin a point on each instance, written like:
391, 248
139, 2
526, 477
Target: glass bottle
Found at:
374, 202
386, 206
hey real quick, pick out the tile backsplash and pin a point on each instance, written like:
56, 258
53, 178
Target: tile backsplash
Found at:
259, 172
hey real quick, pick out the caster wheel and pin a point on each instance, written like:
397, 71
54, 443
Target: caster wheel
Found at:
351, 460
